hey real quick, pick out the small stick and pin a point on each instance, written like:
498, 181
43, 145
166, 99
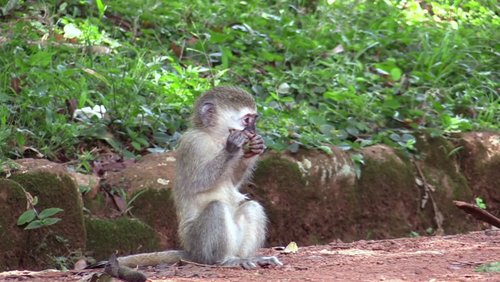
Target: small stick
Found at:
478, 213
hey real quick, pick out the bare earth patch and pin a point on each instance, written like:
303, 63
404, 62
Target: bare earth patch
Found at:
440, 258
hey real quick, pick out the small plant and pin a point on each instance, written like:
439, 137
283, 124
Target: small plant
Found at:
414, 234
480, 203
359, 161
122, 200
34, 219
489, 267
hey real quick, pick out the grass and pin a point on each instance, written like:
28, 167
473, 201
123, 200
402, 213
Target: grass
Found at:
348, 73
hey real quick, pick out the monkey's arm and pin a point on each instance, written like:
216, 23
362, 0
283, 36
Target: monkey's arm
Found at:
199, 171
244, 167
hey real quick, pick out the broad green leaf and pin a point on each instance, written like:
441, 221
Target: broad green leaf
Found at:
26, 217
352, 131
395, 137
50, 221
34, 225
396, 73
49, 212
407, 137
41, 59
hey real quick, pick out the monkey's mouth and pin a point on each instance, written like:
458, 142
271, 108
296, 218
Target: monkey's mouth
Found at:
250, 128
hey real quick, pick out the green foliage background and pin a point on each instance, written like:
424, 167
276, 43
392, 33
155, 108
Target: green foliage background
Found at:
349, 73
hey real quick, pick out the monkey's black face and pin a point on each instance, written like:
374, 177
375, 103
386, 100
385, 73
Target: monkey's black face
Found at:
249, 122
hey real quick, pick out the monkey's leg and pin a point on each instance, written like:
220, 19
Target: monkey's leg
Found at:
251, 221
211, 237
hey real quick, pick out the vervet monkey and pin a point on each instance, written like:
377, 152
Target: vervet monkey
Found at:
217, 224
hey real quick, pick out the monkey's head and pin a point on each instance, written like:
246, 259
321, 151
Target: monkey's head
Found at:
224, 109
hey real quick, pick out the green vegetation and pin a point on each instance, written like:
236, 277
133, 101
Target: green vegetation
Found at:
36, 220
349, 73
489, 267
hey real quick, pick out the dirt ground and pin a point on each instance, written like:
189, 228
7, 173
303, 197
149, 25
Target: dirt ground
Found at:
440, 258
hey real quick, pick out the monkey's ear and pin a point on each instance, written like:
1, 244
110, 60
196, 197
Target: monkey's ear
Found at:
207, 114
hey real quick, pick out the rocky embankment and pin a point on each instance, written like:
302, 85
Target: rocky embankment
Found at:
310, 197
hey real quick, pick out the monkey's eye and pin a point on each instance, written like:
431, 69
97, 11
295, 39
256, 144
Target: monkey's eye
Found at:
246, 120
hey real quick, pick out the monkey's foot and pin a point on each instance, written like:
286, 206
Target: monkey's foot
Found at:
250, 263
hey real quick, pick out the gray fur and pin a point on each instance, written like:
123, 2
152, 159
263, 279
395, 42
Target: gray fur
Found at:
207, 236
217, 225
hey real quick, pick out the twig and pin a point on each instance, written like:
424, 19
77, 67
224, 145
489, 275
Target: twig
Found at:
478, 213
438, 216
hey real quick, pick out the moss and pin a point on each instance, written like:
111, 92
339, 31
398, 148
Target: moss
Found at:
281, 188
98, 206
291, 169
436, 154
68, 235
156, 208
126, 235
12, 237
442, 172
489, 182
386, 198
302, 207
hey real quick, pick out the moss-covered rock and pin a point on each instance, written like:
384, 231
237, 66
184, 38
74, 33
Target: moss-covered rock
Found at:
54, 190
128, 236
385, 200
156, 208
440, 169
303, 195
12, 237
479, 159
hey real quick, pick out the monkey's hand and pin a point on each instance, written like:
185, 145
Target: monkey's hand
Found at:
235, 141
255, 144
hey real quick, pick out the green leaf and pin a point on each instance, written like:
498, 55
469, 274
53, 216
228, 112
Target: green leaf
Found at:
326, 149
408, 137
226, 56
41, 59
396, 73
395, 137
49, 212
480, 203
34, 225
26, 217
136, 145
358, 158
100, 7
50, 221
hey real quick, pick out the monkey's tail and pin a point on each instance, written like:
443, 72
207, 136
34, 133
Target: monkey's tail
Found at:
145, 259
152, 259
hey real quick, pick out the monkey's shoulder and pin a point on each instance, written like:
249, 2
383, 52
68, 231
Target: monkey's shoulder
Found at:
199, 140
